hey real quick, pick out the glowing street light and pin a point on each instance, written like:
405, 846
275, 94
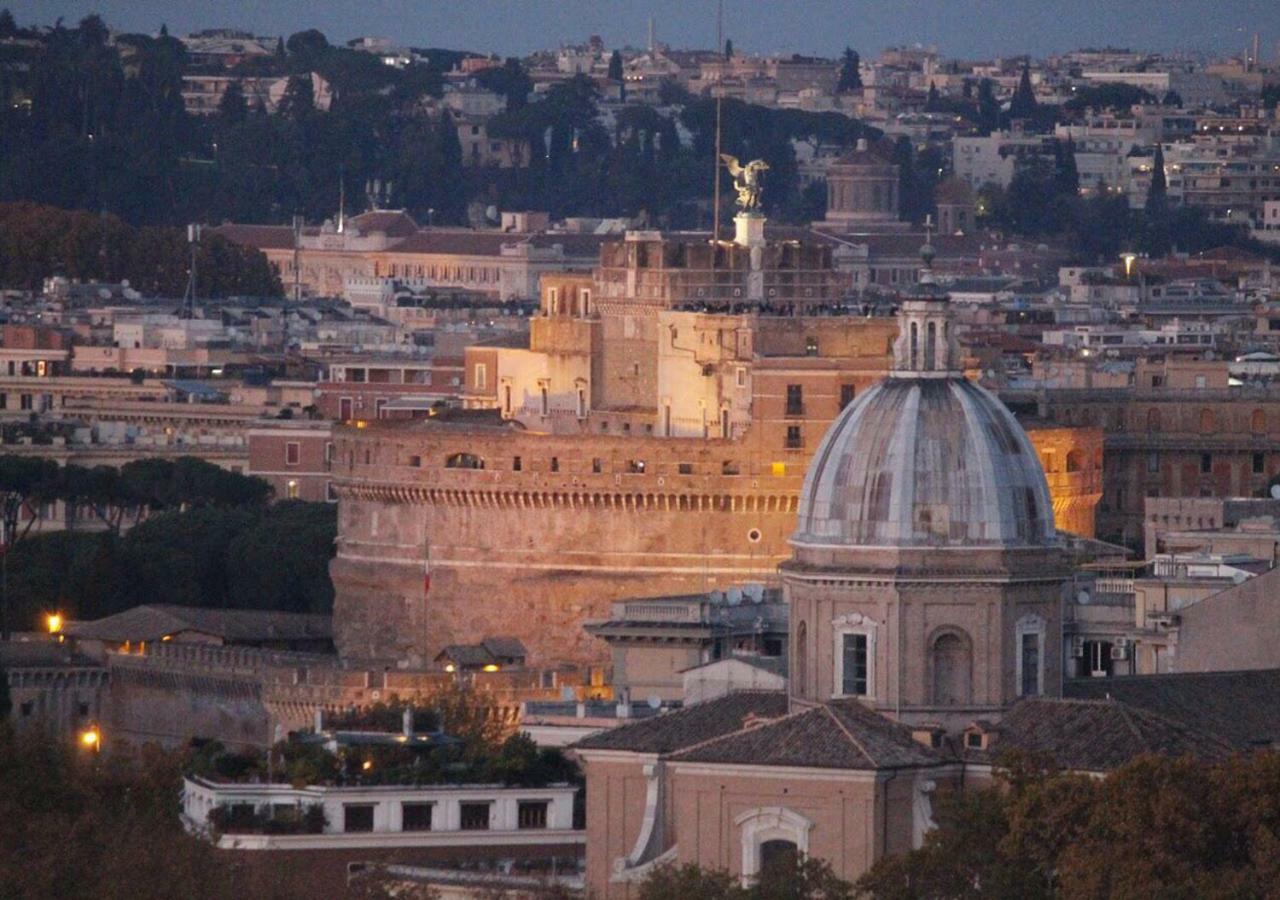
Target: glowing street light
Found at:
54, 622
91, 738
1128, 263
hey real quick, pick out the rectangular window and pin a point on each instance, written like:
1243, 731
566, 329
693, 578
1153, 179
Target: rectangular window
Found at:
291, 489
794, 439
1030, 665
555, 464
811, 346
291, 453
795, 400
853, 650
1206, 463
1259, 464
415, 816
357, 817
684, 468
597, 465
474, 816
24, 401
1153, 462
531, 814
482, 376
545, 401
415, 461
846, 395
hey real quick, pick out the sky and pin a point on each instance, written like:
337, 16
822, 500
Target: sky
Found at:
961, 28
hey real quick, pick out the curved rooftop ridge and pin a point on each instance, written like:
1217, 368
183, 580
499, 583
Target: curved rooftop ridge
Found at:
925, 462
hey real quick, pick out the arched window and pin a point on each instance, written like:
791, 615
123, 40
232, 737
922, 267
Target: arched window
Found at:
779, 858
1074, 460
952, 663
1030, 649
783, 831
463, 461
915, 345
931, 346
1258, 422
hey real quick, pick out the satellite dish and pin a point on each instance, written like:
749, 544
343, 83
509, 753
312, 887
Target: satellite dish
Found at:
1275, 492
1082, 597
491, 213
655, 701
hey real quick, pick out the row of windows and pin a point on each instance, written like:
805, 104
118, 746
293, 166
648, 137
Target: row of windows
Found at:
473, 816
1257, 463
475, 274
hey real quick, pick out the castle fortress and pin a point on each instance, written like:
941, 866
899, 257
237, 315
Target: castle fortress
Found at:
651, 439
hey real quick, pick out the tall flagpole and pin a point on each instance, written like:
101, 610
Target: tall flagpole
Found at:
715, 163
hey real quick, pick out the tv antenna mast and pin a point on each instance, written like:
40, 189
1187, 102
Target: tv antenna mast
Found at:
189, 296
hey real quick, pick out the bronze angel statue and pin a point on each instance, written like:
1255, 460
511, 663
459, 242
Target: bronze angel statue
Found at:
746, 180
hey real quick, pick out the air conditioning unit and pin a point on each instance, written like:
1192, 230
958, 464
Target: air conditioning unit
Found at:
1077, 647
1120, 651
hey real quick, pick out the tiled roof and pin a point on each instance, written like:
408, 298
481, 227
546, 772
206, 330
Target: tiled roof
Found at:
393, 223
1242, 708
840, 734
1097, 735
153, 621
504, 646
692, 725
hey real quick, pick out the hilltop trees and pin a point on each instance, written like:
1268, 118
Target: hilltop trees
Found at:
38, 241
850, 76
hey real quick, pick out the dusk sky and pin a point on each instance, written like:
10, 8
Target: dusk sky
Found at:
958, 27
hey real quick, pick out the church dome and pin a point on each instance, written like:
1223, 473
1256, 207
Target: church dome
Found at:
925, 462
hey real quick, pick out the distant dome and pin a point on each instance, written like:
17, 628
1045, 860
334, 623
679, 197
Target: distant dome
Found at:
925, 461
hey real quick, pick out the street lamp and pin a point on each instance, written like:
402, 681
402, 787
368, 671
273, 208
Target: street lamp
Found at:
91, 739
1128, 258
54, 622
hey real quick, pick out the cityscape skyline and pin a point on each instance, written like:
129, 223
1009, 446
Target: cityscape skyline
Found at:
977, 28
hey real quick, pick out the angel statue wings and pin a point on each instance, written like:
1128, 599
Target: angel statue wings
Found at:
746, 180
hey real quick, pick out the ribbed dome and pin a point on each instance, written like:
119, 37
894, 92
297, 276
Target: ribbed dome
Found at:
918, 462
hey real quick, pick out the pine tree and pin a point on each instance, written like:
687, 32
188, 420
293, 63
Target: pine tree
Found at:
1158, 192
850, 77
1023, 105
988, 106
280, 47
615, 66
933, 101
1066, 176
232, 106
728, 48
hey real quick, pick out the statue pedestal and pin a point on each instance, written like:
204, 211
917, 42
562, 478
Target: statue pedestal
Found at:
748, 229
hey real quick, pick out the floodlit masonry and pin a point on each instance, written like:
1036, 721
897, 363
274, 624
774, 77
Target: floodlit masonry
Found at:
650, 440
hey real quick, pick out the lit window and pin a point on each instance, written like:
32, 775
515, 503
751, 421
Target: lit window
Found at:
291, 489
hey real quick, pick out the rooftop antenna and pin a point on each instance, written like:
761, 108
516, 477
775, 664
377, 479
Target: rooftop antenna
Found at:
651, 35
715, 163
342, 201
297, 260
189, 296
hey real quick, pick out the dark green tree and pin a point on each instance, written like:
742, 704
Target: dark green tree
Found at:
232, 106
988, 106
307, 44
850, 76
615, 66
299, 100
1158, 191
8, 27
1023, 105
1066, 176
932, 101
728, 48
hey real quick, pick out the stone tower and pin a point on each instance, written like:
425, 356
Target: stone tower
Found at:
927, 575
862, 190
